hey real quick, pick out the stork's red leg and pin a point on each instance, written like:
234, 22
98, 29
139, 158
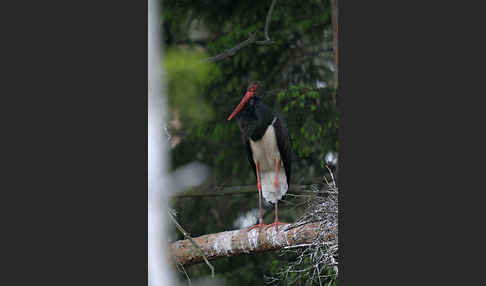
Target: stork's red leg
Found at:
259, 186
276, 222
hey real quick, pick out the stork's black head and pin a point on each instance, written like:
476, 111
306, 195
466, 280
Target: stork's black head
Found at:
253, 94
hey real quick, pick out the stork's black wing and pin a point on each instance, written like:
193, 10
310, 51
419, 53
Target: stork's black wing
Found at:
249, 153
244, 128
283, 142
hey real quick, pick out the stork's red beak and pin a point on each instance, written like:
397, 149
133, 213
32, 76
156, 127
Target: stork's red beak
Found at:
240, 106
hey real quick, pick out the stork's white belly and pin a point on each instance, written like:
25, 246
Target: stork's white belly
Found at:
265, 153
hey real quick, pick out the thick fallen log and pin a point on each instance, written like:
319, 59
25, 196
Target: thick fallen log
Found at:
240, 242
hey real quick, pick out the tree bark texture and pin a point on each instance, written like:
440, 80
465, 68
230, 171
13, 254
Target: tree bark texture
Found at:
240, 242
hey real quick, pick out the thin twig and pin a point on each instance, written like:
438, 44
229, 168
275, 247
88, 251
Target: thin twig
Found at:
184, 270
298, 246
251, 40
187, 236
267, 24
314, 258
269, 16
291, 226
222, 190
334, 265
332, 176
167, 132
319, 276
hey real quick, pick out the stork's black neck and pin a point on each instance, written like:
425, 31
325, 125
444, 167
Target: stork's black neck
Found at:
254, 119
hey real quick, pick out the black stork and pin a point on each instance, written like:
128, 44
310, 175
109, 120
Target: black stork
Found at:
268, 147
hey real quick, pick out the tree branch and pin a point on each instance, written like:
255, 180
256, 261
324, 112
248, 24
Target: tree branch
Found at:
251, 40
240, 242
239, 190
231, 52
194, 244
267, 24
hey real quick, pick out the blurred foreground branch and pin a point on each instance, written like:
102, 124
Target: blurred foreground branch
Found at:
240, 242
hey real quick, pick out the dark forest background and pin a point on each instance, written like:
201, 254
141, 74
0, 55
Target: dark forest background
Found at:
298, 69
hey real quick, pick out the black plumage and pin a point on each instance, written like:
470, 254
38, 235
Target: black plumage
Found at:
267, 140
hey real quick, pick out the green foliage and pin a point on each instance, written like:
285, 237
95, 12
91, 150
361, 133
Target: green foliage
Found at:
187, 75
205, 94
312, 116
